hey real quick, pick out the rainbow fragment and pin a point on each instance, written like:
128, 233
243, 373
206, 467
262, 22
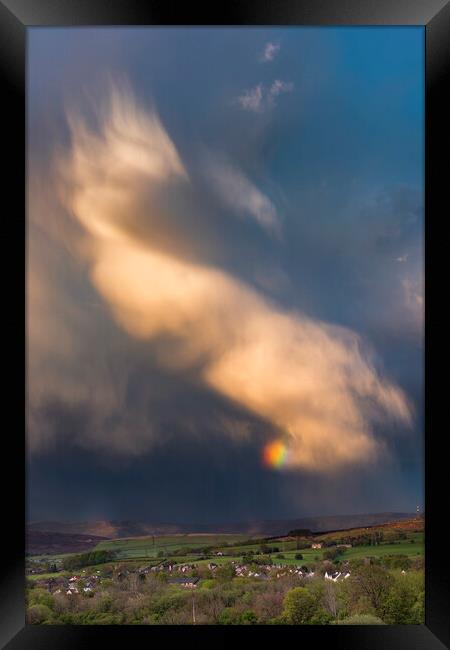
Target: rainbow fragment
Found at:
274, 454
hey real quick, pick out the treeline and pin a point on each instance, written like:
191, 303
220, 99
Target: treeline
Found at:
372, 595
373, 538
210, 551
252, 558
87, 559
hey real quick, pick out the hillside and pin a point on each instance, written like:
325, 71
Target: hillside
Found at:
41, 542
268, 528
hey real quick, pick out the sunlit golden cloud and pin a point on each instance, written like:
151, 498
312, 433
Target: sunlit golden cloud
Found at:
312, 381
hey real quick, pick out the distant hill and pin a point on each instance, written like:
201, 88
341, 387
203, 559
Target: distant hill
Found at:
264, 528
43, 542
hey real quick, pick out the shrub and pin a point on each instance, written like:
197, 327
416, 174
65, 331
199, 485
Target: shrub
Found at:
228, 616
300, 606
361, 619
38, 614
397, 562
248, 618
39, 596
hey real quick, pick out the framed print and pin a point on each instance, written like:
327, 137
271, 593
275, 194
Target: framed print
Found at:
227, 227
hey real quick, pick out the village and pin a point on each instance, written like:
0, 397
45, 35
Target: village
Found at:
86, 582
190, 579
184, 575
189, 574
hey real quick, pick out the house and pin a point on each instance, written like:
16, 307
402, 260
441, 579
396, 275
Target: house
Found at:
187, 582
219, 553
184, 568
72, 590
212, 566
336, 575
317, 545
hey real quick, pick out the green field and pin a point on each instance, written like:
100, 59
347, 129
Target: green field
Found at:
147, 548
43, 576
151, 550
310, 555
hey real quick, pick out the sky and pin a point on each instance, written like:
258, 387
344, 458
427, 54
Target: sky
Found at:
224, 272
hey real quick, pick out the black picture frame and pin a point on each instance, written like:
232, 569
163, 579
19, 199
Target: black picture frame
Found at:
16, 16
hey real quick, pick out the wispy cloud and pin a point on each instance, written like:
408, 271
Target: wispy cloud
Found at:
261, 98
241, 195
312, 382
279, 87
252, 100
270, 51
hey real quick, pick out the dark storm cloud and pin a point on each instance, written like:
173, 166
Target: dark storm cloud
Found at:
247, 205
190, 482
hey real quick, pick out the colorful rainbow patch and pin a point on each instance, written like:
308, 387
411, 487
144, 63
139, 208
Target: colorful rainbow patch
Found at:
274, 454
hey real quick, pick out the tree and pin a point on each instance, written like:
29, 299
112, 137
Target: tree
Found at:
300, 607
331, 553
87, 559
213, 606
38, 614
226, 571
330, 598
372, 583
404, 604
298, 556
